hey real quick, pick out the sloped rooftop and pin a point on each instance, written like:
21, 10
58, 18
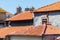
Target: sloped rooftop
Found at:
52, 30
51, 7
21, 16
22, 30
2, 10
29, 30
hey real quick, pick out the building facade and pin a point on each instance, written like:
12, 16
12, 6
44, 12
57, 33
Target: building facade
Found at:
34, 33
21, 19
49, 12
3, 16
42, 24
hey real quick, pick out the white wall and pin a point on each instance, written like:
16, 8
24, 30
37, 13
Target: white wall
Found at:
54, 18
24, 38
38, 19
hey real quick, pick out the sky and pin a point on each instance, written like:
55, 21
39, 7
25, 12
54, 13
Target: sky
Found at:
11, 5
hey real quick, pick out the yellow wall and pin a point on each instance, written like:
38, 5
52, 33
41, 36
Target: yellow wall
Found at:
2, 16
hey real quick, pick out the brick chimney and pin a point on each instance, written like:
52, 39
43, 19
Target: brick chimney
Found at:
18, 9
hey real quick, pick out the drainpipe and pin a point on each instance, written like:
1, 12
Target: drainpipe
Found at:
45, 25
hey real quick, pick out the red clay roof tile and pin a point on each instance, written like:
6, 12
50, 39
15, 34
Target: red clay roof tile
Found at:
52, 30
29, 30
7, 30
22, 16
22, 30
51, 7
34, 31
39, 31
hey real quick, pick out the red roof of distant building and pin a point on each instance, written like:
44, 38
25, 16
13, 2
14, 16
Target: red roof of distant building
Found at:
22, 16
51, 7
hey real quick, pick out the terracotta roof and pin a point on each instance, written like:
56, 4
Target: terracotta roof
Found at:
7, 30
29, 30
51, 7
32, 31
39, 31
21, 16
52, 30
2, 10
22, 30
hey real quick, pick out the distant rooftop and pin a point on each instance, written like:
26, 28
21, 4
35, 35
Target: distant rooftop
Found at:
2, 10
22, 16
51, 7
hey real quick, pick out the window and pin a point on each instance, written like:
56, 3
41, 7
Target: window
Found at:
44, 21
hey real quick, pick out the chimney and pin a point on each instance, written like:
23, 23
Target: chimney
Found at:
18, 10
27, 9
32, 9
